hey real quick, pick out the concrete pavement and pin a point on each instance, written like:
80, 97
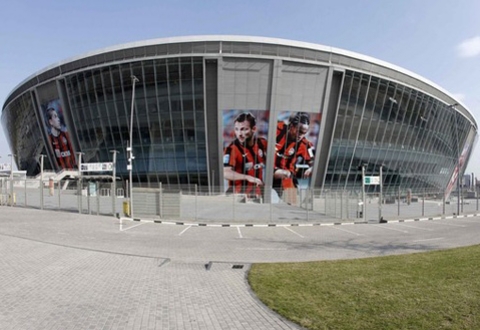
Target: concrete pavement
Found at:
69, 271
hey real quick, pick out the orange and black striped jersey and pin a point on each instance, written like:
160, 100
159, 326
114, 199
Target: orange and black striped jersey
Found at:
63, 150
290, 153
246, 160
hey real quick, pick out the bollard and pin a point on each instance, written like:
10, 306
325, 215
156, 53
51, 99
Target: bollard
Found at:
12, 201
126, 208
50, 186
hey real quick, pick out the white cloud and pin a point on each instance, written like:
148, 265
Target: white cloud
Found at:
469, 47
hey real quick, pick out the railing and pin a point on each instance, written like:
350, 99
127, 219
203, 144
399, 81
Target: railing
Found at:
203, 205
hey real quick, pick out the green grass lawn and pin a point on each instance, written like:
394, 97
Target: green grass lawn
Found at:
433, 290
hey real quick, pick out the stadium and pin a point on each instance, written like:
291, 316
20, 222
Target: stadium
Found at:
174, 105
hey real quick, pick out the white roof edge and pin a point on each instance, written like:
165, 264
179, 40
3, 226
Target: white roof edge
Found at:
240, 38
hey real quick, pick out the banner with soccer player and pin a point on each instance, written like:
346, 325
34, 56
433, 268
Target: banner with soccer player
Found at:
296, 138
245, 151
58, 136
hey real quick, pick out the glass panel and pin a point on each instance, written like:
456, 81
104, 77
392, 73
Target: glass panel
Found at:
168, 129
407, 132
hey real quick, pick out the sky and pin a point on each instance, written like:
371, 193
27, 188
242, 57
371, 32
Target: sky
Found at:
436, 39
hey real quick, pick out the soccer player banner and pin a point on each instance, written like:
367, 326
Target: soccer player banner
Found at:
245, 151
58, 136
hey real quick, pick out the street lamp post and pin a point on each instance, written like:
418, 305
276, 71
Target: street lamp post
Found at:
129, 149
458, 157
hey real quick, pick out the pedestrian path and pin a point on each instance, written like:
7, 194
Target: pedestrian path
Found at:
71, 271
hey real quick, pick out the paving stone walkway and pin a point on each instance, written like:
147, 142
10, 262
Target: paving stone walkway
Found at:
69, 271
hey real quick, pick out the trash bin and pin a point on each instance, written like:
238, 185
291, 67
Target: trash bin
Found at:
126, 208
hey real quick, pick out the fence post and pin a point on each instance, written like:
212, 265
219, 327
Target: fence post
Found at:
325, 202
271, 203
97, 189
398, 213
113, 192
348, 204
233, 206
306, 201
41, 193
461, 199
161, 200
476, 195
196, 198
88, 198
423, 203
365, 208
336, 202
443, 202
25, 189
11, 190
341, 205
79, 195
347, 207
59, 189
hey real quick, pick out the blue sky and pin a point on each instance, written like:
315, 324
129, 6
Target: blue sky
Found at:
437, 39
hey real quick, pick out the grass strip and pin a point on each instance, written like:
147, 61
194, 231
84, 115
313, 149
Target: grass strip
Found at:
432, 290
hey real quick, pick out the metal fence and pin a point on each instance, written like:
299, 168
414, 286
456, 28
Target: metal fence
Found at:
195, 204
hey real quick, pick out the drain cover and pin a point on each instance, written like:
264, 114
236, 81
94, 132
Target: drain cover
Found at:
237, 266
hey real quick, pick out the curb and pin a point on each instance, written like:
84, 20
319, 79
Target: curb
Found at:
194, 224
435, 218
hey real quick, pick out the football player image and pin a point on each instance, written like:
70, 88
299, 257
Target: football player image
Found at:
60, 140
294, 153
244, 158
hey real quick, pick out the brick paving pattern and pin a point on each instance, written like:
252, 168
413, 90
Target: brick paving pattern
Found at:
47, 286
69, 271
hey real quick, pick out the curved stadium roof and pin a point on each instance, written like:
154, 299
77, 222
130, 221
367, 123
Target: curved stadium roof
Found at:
229, 44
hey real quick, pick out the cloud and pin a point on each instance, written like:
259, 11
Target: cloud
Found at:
469, 47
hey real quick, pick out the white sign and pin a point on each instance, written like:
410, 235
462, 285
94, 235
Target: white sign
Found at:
371, 180
96, 167
5, 167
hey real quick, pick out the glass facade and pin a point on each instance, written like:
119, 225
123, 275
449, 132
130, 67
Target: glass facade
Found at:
414, 137
372, 115
20, 122
168, 126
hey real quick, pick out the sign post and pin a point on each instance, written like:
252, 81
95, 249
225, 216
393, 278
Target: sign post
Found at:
373, 180
380, 202
114, 182
364, 206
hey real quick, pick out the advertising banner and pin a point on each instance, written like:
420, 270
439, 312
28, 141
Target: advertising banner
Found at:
296, 138
58, 136
245, 151
245, 143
